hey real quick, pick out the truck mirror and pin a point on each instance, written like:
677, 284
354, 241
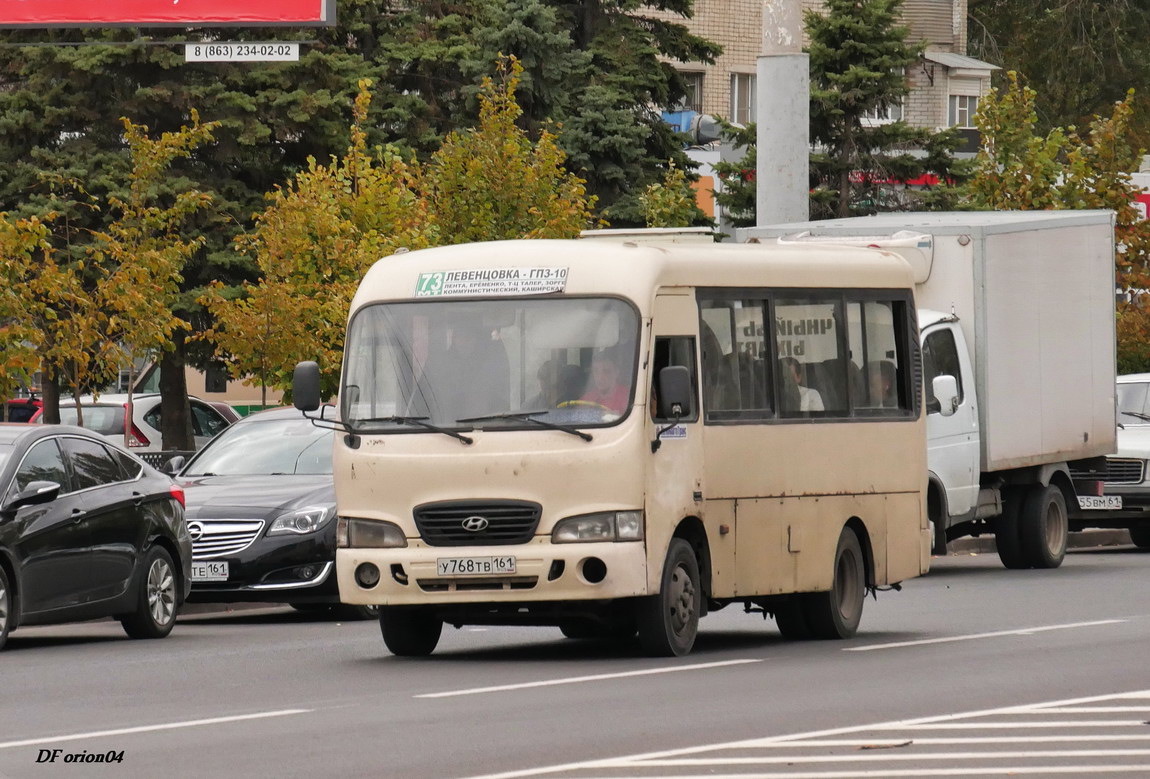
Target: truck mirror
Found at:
674, 392
945, 390
305, 386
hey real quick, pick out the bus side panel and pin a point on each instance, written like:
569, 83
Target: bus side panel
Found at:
767, 535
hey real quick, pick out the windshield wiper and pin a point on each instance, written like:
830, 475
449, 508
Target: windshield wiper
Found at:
1136, 415
419, 422
529, 416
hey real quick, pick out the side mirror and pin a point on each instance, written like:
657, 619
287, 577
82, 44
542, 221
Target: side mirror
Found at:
305, 386
35, 492
173, 466
674, 392
945, 390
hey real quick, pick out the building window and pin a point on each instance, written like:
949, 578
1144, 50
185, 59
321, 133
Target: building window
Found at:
742, 98
216, 378
693, 84
962, 109
886, 115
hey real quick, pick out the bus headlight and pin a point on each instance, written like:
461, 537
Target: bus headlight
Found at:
606, 526
368, 533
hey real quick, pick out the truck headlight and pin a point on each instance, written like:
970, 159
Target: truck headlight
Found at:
302, 521
605, 526
368, 533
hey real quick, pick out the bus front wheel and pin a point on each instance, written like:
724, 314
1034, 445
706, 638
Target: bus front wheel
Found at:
837, 613
669, 621
409, 632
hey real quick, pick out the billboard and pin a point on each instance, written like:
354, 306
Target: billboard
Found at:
167, 13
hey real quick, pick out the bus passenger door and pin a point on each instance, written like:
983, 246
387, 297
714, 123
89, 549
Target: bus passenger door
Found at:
674, 489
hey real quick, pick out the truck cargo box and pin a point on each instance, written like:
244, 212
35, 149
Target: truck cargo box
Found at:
1034, 293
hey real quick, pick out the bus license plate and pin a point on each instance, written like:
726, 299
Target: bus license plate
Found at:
474, 566
1103, 502
215, 571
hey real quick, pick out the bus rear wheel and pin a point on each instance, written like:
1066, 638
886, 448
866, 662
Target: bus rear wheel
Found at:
836, 614
409, 632
668, 622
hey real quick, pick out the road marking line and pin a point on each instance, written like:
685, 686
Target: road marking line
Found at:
898, 742
1092, 710
1046, 724
878, 757
581, 679
149, 728
973, 636
794, 739
912, 773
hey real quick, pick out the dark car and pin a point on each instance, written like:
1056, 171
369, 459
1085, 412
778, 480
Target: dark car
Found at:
87, 531
261, 513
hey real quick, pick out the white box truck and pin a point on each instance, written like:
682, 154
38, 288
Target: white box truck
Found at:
1016, 318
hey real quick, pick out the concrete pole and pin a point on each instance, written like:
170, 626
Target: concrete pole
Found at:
782, 108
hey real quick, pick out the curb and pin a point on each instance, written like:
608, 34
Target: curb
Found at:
1083, 539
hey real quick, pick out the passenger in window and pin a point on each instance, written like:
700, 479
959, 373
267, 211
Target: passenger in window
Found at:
558, 382
809, 399
608, 385
883, 384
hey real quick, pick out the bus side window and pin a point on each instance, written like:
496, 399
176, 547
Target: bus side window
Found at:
675, 350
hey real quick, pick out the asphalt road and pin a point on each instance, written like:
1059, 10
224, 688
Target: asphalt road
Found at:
972, 670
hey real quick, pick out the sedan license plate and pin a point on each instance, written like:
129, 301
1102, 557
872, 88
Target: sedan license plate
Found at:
474, 566
1102, 502
215, 571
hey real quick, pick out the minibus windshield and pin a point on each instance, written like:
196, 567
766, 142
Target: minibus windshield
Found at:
489, 364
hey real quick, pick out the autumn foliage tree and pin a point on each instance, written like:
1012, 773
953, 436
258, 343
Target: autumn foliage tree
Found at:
322, 232
1018, 168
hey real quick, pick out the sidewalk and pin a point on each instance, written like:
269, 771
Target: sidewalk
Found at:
1084, 539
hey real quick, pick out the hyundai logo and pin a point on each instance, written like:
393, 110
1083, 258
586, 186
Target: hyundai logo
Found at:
475, 524
196, 530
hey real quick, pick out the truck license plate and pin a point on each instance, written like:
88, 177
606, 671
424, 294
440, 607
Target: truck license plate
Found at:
1103, 502
214, 571
474, 566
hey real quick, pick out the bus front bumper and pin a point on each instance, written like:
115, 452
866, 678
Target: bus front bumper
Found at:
492, 574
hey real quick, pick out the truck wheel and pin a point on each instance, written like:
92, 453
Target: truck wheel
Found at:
1007, 534
836, 614
409, 632
1043, 525
1141, 537
791, 620
668, 622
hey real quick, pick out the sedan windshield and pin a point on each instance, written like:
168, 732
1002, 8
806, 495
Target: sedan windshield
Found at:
266, 447
478, 364
1132, 400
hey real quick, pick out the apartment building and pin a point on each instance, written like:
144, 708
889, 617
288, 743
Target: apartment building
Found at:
946, 85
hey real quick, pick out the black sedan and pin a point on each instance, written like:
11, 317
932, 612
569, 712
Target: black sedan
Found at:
87, 531
261, 513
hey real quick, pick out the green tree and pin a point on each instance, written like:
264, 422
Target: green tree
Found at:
22, 241
1084, 53
858, 56
671, 202
737, 195
1019, 167
494, 182
313, 243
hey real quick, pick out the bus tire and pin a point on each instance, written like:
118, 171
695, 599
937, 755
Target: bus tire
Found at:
1043, 525
791, 620
836, 613
1140, 536
1007, 533
409, 632
668, 622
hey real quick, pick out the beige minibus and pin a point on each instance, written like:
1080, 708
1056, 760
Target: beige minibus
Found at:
618, 438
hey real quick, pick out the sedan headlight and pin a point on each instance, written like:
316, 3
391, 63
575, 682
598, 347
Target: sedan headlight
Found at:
302, 521
368, 533
606, 526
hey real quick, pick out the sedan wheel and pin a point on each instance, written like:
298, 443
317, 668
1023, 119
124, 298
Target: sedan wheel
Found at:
5, 607
155, 614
